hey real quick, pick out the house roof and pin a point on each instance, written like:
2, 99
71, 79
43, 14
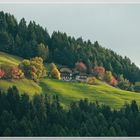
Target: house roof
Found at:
65, 70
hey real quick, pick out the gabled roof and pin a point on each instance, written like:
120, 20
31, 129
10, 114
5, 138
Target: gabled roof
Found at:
65, 70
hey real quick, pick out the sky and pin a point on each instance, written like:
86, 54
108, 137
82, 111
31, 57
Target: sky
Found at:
114, 26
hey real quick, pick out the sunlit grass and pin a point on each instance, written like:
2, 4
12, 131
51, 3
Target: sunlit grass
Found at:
10, 59
23, 85
102, 93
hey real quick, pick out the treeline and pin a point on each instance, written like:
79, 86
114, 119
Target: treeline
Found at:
32, 40
44, 116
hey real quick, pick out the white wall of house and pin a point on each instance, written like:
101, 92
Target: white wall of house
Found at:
66, 78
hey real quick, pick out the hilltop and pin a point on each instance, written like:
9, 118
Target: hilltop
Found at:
31, 40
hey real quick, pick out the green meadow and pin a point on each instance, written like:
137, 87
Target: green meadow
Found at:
102, 92
7, 58
23, 85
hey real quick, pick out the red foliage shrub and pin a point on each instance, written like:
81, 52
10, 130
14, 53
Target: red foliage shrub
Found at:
114, 81
2, 73
16, 73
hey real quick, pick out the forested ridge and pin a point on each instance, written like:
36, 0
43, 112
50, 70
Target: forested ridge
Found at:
32, 40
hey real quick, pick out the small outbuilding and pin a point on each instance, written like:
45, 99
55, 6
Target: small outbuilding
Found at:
82, 77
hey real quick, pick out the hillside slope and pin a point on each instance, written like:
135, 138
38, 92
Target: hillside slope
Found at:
102, 93
24, 85
69, 91
7, 58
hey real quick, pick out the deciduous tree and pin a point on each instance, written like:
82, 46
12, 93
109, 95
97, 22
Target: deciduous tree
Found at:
108, 76
43, 51
1, 73
55, 72
81, 67
99, 72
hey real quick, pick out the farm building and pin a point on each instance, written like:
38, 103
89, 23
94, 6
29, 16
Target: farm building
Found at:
66, 74
82, 77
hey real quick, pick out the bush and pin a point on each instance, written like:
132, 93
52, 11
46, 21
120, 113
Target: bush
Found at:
92, 81
2, 73
124, 83
11, 72
17, 73
113, 82
8, 70
137, 87
108, 76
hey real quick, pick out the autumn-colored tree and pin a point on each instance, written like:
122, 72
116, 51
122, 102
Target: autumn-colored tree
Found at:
17, 73
108, 76
1, 73
52, 66
55, 72
37, 68
11, 71
114, 81
25, 66
123, 83
8, 70
33, 68
99, 72
92, 80
42, 51
81, 67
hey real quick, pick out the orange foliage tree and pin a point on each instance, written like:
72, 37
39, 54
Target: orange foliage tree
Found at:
1, 73
113, 81
81, 67
99, 72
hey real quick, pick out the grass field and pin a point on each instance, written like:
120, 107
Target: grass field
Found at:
69, 91
6, 58
102, 92
23, 85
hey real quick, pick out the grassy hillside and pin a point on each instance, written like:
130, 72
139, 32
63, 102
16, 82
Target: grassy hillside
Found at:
24, 85
69, 91
102, 92
6, 58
